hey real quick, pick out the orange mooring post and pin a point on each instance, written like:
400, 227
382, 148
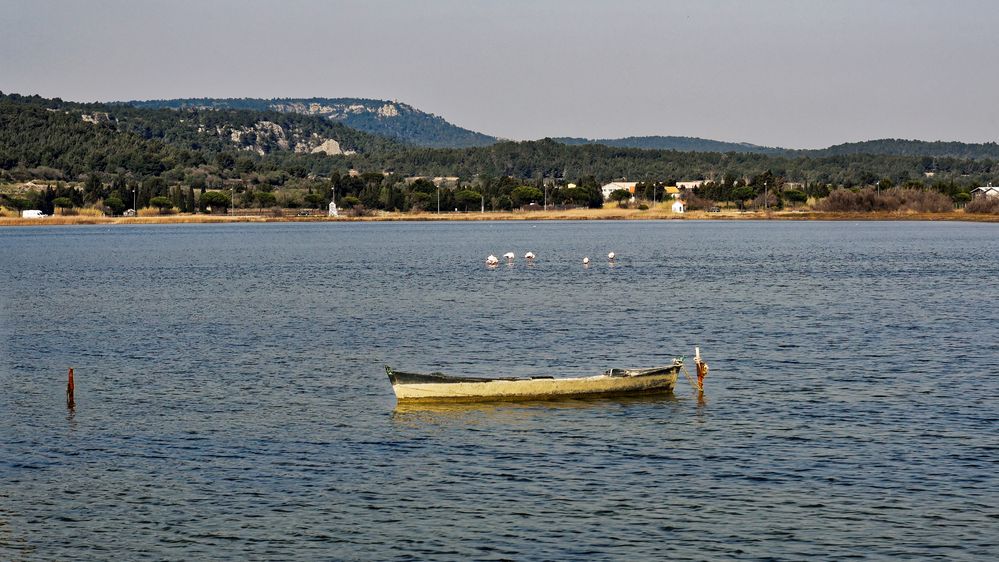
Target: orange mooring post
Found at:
70, 391
702, 368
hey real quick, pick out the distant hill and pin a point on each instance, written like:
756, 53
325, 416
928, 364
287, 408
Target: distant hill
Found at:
903, 147
403, 122
52, 139
682, 144
392, 119
77, 138
880, 147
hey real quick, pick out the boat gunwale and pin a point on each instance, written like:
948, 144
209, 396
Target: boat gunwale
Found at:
399, 377
668, 374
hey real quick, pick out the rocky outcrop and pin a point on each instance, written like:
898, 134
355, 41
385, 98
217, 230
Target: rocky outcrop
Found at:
329, 146
265, 136
338, 111
96, 118
388, 110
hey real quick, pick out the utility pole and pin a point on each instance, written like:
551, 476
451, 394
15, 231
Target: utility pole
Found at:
766, 197
438, 199
134, 210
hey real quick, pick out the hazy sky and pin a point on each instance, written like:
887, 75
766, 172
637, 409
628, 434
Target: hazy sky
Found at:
789, 73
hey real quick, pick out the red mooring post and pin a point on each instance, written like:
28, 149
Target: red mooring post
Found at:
70, 391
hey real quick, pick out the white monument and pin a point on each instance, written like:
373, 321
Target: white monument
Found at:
334, 212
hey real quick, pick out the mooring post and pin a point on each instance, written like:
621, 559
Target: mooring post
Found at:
702, 369
70, 391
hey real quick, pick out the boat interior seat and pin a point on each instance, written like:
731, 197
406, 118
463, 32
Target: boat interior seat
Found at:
616, 372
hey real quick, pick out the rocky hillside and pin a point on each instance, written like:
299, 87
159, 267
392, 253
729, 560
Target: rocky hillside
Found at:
392, 119
75, 138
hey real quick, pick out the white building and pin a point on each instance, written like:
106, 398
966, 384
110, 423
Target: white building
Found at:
613, 186
985, 191
679, 206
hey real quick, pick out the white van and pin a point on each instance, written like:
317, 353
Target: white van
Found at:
32, 214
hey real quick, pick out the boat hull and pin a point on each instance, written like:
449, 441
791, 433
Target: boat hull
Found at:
412, 387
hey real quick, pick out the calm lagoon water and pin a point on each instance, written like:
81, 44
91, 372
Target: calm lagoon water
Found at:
232, 402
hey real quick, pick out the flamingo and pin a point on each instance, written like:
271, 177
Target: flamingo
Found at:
529, 255
610, 256
492, 260
586, 261
509, 256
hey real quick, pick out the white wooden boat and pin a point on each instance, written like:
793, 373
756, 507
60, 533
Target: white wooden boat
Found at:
438, 387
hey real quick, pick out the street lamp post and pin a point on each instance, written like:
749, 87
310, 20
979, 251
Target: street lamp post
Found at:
134, 210
438, 199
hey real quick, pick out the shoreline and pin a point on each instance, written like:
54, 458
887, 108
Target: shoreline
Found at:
575, 214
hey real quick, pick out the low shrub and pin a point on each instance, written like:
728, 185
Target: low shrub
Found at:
695, 203
891, 200
983, 206
359, 210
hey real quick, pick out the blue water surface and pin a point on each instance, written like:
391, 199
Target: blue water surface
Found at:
232, 402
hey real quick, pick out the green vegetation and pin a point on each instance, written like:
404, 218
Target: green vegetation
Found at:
403, 123
883, 147
685, 144
215, 201
162, 203
109, 156
619, 195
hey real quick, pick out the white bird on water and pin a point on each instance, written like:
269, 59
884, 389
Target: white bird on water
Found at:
586, 261
529, 255
492, 260
509, 256
610, 256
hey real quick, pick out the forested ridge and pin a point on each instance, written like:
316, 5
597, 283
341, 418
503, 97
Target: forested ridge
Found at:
392, 119
39, 132
265, 157
882, 147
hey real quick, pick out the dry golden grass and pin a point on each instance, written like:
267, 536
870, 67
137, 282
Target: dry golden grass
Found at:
154, 212
611, 213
